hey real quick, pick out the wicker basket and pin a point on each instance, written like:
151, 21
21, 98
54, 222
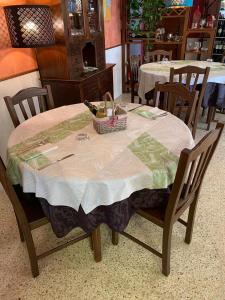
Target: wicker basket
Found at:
110, 124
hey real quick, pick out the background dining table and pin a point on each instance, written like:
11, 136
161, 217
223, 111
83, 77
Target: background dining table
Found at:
83, 178
151, 73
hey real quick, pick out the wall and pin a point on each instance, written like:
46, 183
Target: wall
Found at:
114, 55
113, 26
13, 61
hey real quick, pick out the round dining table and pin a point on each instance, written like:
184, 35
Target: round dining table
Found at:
151, 73
83, 178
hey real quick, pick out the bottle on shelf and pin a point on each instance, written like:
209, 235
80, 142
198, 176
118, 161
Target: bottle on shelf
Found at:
220, 29
210, 21
196, 18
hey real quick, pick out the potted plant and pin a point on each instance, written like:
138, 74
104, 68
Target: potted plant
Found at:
151, 15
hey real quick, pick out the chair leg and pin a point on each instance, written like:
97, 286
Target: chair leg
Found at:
115, 237
140, 100
210, 116
31, 250
91, 242
196, 119
203, 112
132, 93
166, 249
96, 240
190, 222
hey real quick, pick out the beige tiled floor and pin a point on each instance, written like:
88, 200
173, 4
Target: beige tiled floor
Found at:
127, 271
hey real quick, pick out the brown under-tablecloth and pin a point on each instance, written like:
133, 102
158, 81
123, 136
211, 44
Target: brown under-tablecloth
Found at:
63, 219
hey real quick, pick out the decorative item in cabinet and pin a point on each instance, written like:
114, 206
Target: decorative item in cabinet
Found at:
200, 45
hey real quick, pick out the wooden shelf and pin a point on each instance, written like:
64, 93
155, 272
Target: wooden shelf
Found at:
167, 43
138, 39
196, 52
201, 30
173, 16
156, 42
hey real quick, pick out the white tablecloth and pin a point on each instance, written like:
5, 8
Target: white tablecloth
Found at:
104, 168
152, 72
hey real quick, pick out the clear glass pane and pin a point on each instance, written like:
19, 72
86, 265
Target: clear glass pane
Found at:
76, 18
93, 17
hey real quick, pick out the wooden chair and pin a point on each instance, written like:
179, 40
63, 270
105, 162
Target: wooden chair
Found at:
177, 100
45, 101
189, 76
184, 194
134, 64
29, 215
158, 55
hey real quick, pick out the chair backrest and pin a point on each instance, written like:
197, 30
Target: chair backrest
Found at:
158, 55
190, 173
134, 63
18, 209
44, 97
190, 76
177, 100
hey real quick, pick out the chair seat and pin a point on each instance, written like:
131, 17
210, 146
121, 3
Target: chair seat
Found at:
158, 200
157, 213
30, 204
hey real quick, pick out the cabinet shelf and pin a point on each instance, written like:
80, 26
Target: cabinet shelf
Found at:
156, 42
173, 16
196, 52
167, 43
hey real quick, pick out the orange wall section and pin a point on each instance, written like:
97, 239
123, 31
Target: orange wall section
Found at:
13, 61
113, 27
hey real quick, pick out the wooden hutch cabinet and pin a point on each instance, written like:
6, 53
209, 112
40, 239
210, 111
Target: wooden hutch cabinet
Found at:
75, 66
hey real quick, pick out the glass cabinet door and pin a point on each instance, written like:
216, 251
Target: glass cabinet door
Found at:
76, 17
93, 16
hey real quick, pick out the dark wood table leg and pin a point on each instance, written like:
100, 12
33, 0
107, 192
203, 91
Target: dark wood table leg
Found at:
115, 237
96, 241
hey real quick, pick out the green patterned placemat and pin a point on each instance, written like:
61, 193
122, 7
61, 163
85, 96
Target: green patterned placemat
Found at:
51, 135
144, 113
160, 161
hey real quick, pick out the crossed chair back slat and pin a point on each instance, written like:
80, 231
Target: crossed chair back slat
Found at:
178, 100
134, 64
44, 98
158, 55
190, 76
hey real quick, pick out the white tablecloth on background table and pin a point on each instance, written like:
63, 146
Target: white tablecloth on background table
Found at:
152, 72
104, 168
